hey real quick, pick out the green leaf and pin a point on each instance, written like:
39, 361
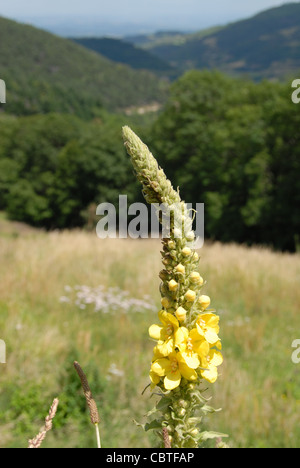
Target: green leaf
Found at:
155, 424
163, 404
211, 435
209, 409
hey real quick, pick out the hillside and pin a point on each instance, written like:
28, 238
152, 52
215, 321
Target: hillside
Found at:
149, 41
123, 52
264, 46
46, 73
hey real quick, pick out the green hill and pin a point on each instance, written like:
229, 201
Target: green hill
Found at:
124, 52
149, 41
264, 46
45, 73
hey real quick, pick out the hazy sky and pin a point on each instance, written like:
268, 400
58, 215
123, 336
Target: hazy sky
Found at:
196, 13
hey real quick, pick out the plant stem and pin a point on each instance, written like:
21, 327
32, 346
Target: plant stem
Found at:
98, 436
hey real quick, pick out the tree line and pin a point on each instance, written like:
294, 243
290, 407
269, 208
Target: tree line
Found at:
229, 143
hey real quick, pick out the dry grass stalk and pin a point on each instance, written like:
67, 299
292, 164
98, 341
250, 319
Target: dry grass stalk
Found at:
37, 441
95, 419
94, 415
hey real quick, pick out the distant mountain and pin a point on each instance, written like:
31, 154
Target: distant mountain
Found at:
126, 53
46, 73
159, 38
86, 25
264, 46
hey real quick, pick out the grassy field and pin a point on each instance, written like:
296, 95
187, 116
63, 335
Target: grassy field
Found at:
255, 291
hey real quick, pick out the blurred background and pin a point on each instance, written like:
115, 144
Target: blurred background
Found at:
208, 87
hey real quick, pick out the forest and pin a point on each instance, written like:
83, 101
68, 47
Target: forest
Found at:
230, 143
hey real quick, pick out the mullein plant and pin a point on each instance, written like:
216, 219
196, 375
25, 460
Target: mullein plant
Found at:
187, 345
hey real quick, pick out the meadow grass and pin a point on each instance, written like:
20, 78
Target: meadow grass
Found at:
255, 291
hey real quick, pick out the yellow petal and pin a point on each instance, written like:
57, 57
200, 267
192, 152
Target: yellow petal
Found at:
202, 348
173, 320
216, 358
156, 354
213, 320
210, 374
172, 380
161, 367
165, 348
199, 330
161, 316
166, 318
197, 338
155, 379
155, 332
187, 373
191, 360
218, 345
211, 336
181, 335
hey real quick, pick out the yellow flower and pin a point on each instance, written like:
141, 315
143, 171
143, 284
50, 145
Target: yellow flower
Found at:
194, 348
168, 335
173, 369
212, 361
208, 327
204, 302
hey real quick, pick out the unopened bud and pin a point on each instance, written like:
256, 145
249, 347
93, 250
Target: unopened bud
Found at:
186, 252
190, 296
190, 236
204, 302
180, 268
171, 244
180, 314
196, 278
173, 285
165, 302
